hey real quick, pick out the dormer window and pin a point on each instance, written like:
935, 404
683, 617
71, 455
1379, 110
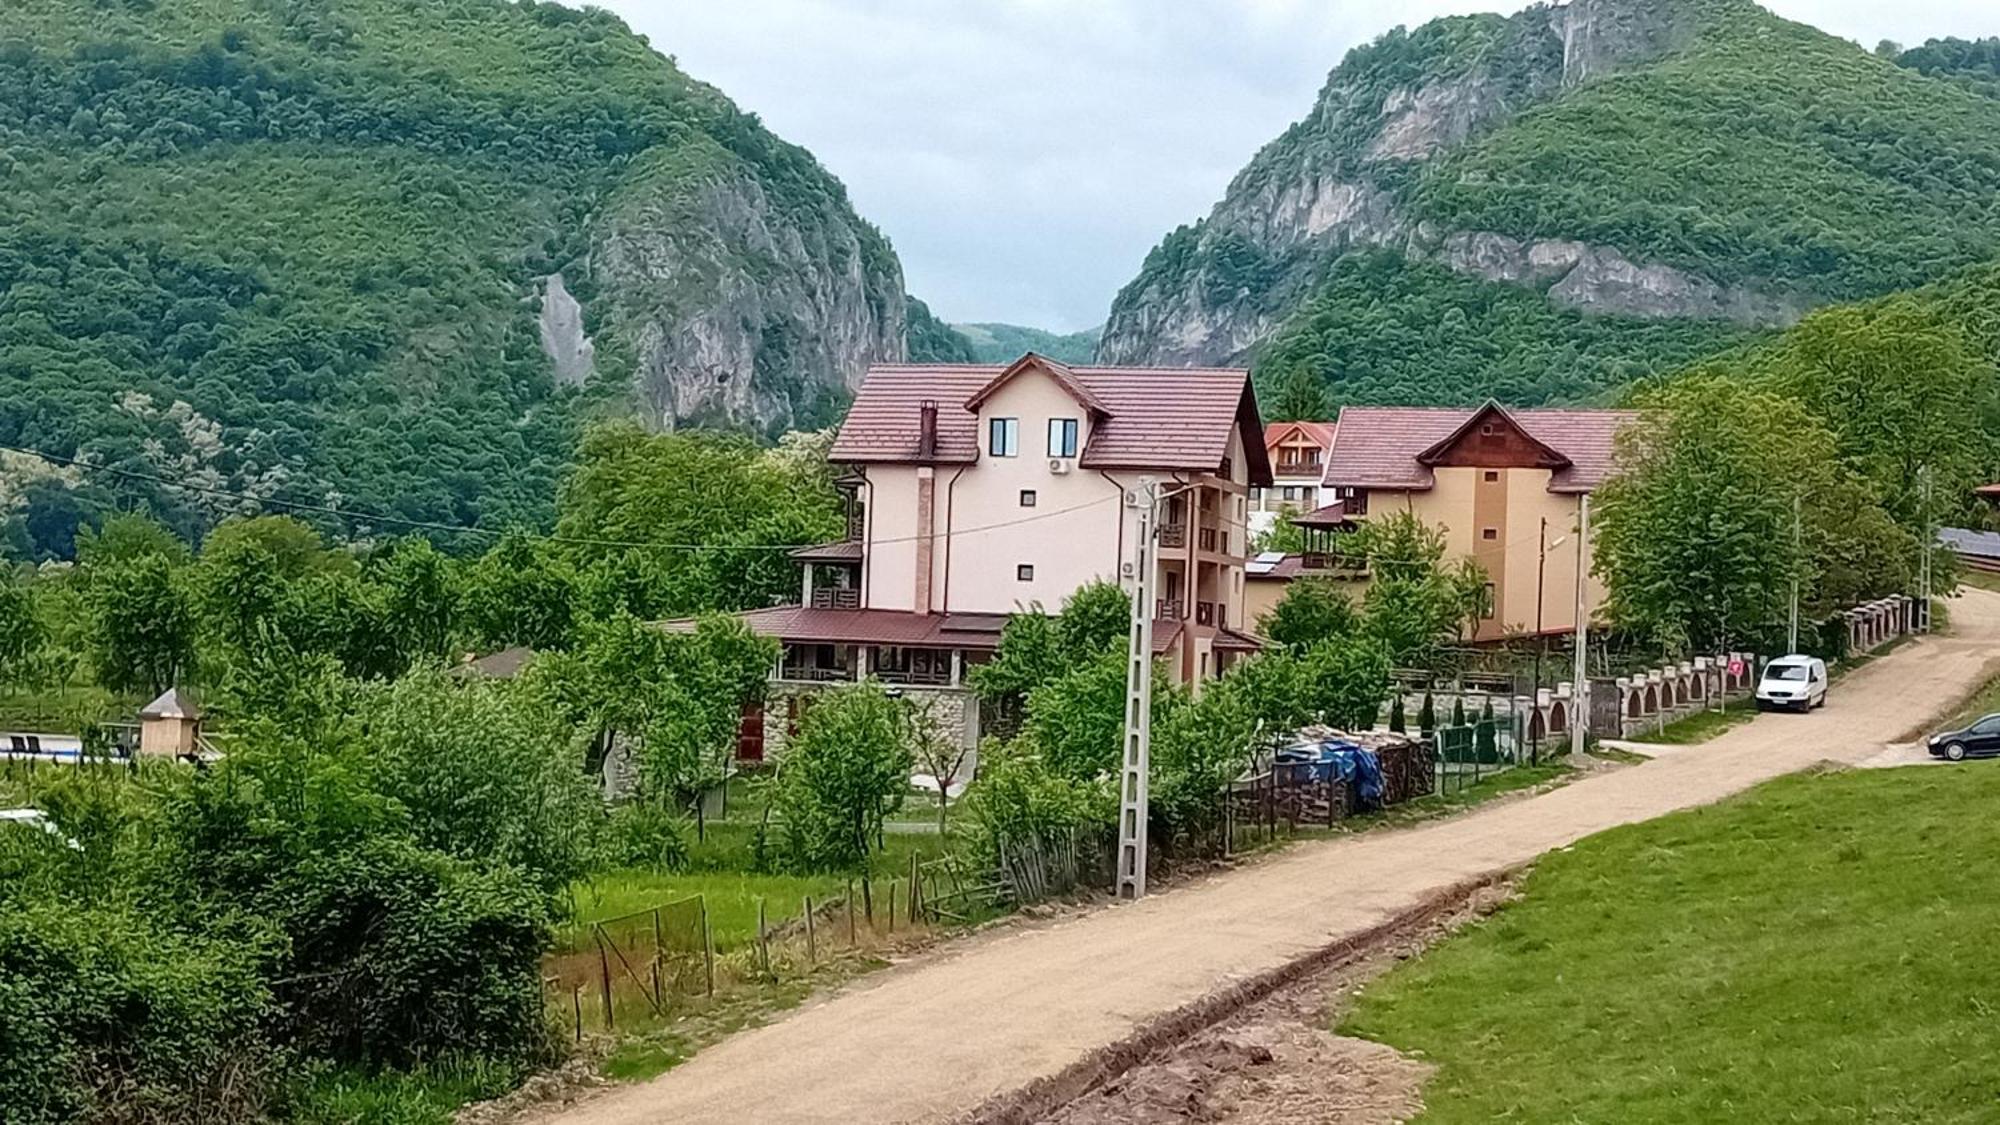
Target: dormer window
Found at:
1003, 437
1062, 437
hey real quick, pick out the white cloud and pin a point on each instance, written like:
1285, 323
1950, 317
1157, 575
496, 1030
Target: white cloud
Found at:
1025, 154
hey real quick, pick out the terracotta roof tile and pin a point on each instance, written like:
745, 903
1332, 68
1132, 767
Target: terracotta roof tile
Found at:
1378, 446
1321, 432
1154, 417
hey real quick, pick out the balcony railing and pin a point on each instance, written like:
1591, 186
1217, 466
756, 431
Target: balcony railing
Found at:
1348, 565
1299, 468
1209, 613
836, 599
934, 677
1169, 609
813, 673
1214, 540
1173, 535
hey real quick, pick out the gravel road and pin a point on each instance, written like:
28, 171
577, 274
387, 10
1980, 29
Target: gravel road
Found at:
933, 1039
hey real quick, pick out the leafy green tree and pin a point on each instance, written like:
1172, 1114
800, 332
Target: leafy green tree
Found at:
143, 625
1415, 601
484, 772
20, 631
420, 596
521, 592
1311, 610
1345, 680
1077, 719
1702, 530
1283, 535
126, 536
849, 766
1036, 648
676, 697
1301, 397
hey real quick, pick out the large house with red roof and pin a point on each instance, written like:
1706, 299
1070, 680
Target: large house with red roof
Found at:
1506, 486
980, 491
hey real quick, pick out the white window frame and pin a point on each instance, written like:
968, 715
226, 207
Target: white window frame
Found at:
1003, 437
1064, 436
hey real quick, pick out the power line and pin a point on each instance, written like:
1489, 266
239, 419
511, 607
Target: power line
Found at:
461, 529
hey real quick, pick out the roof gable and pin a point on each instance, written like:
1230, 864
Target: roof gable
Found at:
1380, 447
1063, 376
1500, 439
1169, 419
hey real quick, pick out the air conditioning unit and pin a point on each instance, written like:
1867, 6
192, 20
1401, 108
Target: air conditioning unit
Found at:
1058, 465
1127, 570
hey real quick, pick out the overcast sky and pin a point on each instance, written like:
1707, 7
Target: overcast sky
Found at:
1024, 155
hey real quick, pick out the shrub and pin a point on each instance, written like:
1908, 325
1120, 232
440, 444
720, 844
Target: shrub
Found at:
108, 1016
849, 766
1017, 797
646, 835
1427, 720
1396, 720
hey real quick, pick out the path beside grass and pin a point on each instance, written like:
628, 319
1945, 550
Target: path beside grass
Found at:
937, 1037
1820, 949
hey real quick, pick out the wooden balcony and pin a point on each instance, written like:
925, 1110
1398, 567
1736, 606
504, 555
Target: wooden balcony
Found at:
1173, 535
1169, 609
836, 599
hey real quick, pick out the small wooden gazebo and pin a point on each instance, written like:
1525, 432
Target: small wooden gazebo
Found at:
169, 726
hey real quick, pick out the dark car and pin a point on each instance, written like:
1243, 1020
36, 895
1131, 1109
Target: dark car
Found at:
1979, 740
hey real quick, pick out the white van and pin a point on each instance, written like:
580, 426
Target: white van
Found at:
1796, 683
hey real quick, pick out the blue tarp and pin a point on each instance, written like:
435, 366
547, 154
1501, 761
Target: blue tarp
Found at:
1354, 766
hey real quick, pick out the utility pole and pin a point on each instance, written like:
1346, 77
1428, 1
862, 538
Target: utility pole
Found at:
1581, 719
1798, 548
1138, 705
1930, 542
1541, 638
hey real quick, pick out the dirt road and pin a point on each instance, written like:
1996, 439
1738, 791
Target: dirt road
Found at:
938, 1037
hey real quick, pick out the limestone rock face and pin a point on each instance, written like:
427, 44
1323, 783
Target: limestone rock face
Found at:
730, 305
1342, 179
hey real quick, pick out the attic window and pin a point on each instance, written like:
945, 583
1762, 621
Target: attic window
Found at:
1492, 476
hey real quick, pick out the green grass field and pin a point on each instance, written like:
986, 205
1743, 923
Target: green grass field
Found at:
1819, 949
720, 869
1702, 725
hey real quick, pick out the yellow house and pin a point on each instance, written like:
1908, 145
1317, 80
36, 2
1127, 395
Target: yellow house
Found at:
1506, 486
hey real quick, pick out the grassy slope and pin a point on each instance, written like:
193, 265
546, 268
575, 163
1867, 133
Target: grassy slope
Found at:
1816, 950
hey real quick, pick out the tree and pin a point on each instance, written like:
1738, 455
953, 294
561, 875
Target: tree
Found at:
1077, 719
20, 631
1311, 610
1458, 711
676, 697
1344, 681
1724, 495
1486, 742
1396, 720
1283, 535
937, 752
1036, 647
848, 767
1415, 602
420, 594
142, 625
520, 592
1427, 721
1301, 396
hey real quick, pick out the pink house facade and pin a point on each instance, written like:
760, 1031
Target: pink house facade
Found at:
977, 492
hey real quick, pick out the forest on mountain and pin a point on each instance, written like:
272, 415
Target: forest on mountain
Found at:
1545, 207
298, 251
1005, 343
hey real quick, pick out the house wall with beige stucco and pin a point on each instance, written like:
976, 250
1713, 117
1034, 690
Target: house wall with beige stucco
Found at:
1465, 504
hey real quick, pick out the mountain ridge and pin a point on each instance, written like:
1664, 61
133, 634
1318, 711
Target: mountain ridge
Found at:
1603, 155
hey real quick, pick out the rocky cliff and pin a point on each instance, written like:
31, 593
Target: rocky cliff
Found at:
1586, 152
734, 308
